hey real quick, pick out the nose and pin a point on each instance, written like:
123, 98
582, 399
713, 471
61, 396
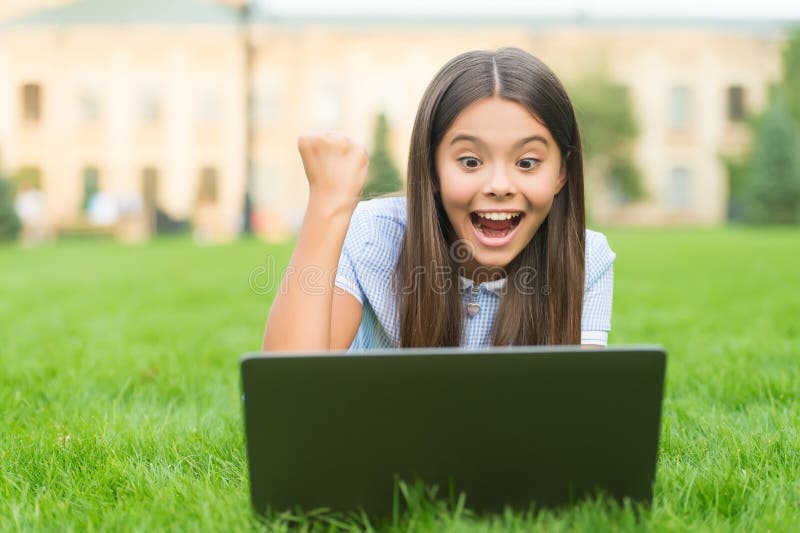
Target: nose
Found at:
499, 185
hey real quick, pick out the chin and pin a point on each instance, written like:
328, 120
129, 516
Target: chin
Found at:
492, 258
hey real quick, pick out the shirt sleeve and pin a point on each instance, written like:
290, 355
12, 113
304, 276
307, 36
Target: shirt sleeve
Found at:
354, 242
599, 290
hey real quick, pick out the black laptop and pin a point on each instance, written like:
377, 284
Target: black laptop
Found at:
509, 427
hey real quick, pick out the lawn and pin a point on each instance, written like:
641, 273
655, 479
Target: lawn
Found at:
119, 385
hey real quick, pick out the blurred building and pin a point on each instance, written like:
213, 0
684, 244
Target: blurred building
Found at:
15, 8
149, 99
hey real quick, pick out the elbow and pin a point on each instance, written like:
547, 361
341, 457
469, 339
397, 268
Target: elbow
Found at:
267, 342
272, 344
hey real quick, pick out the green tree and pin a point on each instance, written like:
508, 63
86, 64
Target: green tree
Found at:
383, 176
791, 74
771, 194
608, 130
764, 180
9, 221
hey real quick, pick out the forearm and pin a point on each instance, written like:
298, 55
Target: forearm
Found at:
300, 318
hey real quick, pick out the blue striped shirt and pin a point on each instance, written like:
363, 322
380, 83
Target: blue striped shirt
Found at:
370, 252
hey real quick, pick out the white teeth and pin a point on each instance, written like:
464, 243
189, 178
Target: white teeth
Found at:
498, 216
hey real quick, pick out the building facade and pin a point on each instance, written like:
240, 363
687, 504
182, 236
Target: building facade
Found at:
149, 100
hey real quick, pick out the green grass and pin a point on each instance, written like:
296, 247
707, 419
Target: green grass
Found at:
119, 391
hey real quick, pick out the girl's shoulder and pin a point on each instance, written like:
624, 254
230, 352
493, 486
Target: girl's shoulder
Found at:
376, 230
596, 241
389, 208
599, 255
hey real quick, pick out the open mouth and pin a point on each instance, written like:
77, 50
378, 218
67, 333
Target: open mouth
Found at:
496, 225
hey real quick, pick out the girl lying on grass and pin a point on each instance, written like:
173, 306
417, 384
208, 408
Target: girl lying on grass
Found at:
487, 247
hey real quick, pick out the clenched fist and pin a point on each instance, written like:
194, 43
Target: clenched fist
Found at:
336, 167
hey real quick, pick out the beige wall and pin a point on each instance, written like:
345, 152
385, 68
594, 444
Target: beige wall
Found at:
195, 77
650, 62
380, 68
339, 76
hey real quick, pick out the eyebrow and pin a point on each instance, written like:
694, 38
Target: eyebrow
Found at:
521, 142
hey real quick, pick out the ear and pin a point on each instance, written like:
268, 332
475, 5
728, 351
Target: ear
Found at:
562, 177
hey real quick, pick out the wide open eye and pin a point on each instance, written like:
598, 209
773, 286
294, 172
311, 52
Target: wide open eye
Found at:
529, 163
470, 162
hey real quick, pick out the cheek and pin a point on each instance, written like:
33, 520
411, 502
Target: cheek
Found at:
456, 189
540, 190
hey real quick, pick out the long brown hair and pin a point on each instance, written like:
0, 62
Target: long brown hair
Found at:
543, 298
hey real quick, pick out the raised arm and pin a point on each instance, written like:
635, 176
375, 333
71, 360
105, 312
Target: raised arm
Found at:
300, 317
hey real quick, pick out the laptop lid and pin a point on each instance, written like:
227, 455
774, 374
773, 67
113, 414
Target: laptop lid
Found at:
508, 426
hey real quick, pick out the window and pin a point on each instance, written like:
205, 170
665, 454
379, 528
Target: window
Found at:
89, 106
267, 100
736, 110
267, 186
207, 191
91, 185
680, 108
32, 102
617, 194
28, 177
678, 195
327, 107
150, 196
390, 93
150, 107
149, 188
209, 107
